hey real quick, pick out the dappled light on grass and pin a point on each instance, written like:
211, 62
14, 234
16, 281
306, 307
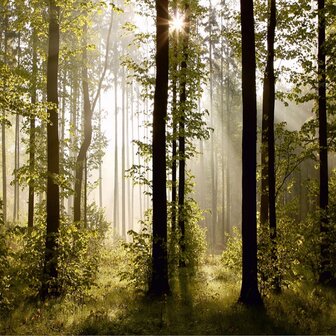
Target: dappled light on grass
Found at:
202, 302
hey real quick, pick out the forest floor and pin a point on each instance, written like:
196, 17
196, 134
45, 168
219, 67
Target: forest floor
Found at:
204, 304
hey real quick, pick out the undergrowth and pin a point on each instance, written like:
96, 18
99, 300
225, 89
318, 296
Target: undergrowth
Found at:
201, 303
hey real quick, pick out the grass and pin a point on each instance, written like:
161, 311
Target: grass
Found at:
202, 304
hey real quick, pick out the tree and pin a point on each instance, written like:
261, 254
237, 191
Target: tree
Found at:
49, 285
31, 187
88, 111
182, 140
159, 282
268, 192
249, 294
325, 274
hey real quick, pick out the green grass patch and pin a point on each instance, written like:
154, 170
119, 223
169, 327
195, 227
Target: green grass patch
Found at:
201, 303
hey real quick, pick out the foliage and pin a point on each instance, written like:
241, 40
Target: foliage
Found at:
5, 276
195, 236
112, 308
232, 255
23, 259
139, 255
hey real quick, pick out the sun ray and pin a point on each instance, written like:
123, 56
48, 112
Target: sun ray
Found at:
177, 22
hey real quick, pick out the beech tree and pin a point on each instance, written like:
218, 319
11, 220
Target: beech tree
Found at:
325, 275
159, 282
249, 294
268, 192
49, 285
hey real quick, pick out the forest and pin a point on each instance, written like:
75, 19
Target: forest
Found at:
168, 167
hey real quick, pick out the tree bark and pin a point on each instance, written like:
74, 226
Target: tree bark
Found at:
49, 285
268, 145
249, 294
325, 274
3, 137
174, 130
31, 186
159, 282
87, 136
181, 149
88, 111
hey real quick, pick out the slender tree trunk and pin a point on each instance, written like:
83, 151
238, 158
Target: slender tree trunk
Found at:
174, 135
123, 158
31, 186
100, 163
63, 107
3, 137
249, 294
325, 274
228, 145
16, 207
181, 149
159, 283
49, 285
87, 136
139, 159
88, 111
212, 230
268, 209
73, 127
116, 163
223, 136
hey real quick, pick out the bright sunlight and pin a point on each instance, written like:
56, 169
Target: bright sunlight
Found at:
177, 22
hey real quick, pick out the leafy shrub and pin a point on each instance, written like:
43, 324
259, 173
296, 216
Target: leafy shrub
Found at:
137, 269
78, 258
231, 257
195, 236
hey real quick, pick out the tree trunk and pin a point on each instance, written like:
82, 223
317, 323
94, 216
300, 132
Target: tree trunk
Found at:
86, 137
174, 130
249, 294
16, 207
3, 137
116, 163
123, 158
88, 111
49, 285
325, 274
212, 230
31, 186
159, 282
268, 210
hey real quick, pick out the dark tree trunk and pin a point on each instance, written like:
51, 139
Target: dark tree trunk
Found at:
159, 283
268, 145
31, 187
181, 149
174, 142
249, 294
3, 136
325, 274
49, 285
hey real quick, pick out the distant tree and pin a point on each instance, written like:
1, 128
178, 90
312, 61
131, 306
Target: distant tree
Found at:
50, 272
88, 111
249, 294
159, 282
31, 187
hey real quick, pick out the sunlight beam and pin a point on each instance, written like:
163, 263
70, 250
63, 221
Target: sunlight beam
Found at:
177, 22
